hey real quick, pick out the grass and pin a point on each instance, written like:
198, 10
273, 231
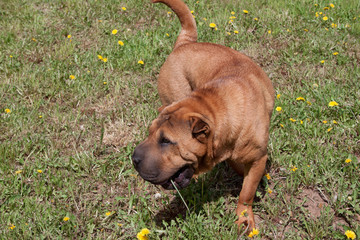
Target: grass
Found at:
81, 132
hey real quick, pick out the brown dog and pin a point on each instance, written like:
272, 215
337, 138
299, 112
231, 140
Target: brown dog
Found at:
217, 105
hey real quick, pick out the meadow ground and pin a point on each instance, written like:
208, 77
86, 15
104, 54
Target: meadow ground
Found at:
76, 97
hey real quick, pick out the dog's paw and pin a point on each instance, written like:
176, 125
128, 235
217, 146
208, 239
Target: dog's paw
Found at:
245, 224
246, 221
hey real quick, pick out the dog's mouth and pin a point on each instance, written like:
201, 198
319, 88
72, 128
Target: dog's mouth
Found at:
180, 179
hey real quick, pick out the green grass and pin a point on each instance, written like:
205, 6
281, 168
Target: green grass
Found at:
87, 131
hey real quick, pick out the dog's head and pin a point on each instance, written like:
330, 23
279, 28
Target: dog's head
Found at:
177, 143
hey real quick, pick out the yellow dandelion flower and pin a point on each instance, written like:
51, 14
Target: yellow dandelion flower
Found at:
324, 121
18, 172
333, 103
34, 39
114, 31
212, 25
169, 13
335, 122
294, 168
301, 121
253, 233
333, 25
329, 129
322, 61
325, 18
168, 35
142, 235
65, 219
40, 116
141, 62
228, 33
306, 30
39, 171
243, 213
320, 13
269, 191
236, 31
317, 14
192, 11
105, 59
348, 160
108, 213
232, 13
350, 234
332, 5
278, 109
100, 57
123, 8
121, 43
69, 36
293, 120
326, 8
335, 53
278, 96
245, 11
326, 29
256, 19
281, 125
267, 176
12, 227
7, 110
119, 224
300, 99
232, 17
105, 83
72, 77
308, 102
269, 31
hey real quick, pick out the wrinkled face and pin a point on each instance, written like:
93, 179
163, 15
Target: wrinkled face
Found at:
172, 150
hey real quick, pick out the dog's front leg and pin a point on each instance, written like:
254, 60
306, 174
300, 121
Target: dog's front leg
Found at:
253, 172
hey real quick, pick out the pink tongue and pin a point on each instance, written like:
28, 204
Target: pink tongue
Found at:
180, 178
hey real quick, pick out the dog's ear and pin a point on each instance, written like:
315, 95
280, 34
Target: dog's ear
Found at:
161, 108
199, 129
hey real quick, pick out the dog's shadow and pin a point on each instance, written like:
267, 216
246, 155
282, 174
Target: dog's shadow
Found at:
210, 187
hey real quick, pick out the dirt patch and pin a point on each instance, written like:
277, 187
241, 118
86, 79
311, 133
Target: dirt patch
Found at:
313, 202
119, 133
316, 204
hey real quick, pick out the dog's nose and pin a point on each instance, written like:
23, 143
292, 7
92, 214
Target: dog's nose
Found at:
136, 160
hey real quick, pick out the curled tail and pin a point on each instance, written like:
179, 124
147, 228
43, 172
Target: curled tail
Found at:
188, 33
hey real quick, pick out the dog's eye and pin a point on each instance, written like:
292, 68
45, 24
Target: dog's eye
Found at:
164, 141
